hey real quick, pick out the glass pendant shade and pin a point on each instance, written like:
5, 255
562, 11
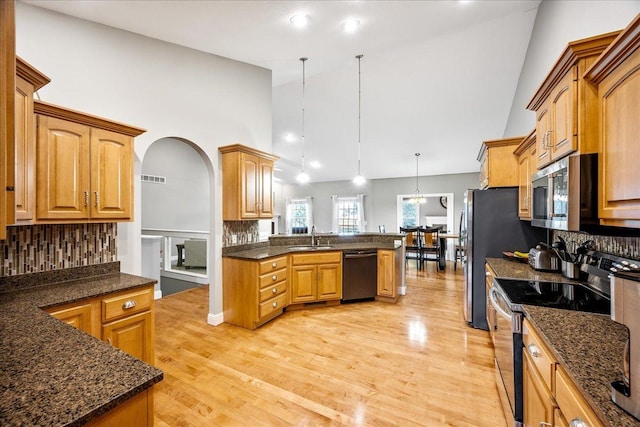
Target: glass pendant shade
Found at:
418, 198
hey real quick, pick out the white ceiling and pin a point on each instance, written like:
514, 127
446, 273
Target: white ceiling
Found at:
438, 77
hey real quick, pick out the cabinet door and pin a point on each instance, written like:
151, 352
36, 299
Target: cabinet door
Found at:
266, 189
564, 104
543, 128
111, 175
62, 173
329, 282
85, 317
303, 283
619, 157
25, 150
249, 185
386, 274
132, 335
524, 185
538, 404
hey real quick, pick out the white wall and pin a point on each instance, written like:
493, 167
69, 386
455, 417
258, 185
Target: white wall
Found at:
169, 90
380, 197
557, 23
182, 203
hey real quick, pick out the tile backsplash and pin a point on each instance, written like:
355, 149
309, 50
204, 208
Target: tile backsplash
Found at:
39, 248
239, 233
627, 247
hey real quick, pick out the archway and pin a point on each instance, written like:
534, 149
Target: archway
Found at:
176, 209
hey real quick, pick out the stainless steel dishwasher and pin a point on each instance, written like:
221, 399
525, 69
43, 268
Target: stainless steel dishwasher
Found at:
359, 275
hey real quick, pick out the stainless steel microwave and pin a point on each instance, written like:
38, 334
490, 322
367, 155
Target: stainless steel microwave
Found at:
565, 194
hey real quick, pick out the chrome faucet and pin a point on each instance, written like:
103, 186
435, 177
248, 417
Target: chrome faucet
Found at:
313, 235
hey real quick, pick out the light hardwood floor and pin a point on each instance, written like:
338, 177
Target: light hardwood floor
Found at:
414, 363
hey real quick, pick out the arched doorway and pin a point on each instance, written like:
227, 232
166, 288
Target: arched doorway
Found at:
176, 208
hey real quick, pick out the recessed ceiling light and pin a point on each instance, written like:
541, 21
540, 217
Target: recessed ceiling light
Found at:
350, 25
315, 164
300, 20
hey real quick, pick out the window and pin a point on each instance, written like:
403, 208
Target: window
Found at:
299, 215
348, 214
410, 213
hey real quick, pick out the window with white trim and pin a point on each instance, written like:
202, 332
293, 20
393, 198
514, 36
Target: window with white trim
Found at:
348, 214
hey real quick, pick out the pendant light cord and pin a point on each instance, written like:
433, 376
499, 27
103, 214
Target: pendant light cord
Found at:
303, 59
359, 110
417, 187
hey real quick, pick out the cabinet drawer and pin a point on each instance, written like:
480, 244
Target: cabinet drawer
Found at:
540, 355
571, 403
271, 278
316, 258
272, 265
271, 291
126, 304
273, 304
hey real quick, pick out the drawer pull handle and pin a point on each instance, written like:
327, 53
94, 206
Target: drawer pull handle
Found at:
274, 277
275, 290
533, 350
577, 422
274, 265
275, 304
96, 193
109, 341
86, 199
129, 304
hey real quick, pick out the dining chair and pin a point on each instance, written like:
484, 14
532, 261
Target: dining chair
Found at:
460, 245
431, 250
413, 245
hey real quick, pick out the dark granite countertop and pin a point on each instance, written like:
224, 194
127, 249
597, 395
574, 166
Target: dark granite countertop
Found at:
263, 252
54, 374
508, 269
589, 347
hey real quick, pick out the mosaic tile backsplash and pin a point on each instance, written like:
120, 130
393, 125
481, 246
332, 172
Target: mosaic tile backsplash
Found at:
239, 233
627, 247
38, 248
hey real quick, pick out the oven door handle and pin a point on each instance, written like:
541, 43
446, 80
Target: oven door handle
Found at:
493, 294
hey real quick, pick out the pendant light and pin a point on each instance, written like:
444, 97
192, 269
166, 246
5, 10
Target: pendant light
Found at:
302, 177
418, 198
359, 179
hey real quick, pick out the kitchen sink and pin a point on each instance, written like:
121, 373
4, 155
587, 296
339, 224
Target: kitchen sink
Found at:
309, 248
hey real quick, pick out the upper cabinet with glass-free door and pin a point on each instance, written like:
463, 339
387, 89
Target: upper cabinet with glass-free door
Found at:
247, 183
616, 80
84, 169
565, 104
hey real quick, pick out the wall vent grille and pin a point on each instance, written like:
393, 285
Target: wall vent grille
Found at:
153, 179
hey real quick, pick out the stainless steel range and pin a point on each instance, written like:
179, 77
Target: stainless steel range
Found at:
505, 301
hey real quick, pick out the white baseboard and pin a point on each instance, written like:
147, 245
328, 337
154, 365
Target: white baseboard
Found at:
157, 294
215, 319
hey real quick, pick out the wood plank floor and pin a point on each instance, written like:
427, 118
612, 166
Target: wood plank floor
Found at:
414, 363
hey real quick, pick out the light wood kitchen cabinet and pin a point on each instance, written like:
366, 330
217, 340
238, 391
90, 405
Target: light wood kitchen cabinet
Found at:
84, 316
316, 277
84, 169
565, 104
123, 319
135, 412
254, 292
28, 80
525, 153
389, 275
616, 77
572, 405
498, 164
7, 109
247, 183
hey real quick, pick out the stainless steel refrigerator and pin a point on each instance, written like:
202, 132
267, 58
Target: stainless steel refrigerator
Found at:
489, 226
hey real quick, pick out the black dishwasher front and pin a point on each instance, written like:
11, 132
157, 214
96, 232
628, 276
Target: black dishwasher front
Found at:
359, 275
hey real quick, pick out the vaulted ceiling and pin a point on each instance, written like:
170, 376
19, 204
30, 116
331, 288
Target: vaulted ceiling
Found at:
437, 77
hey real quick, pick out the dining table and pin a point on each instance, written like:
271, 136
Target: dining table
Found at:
443, 247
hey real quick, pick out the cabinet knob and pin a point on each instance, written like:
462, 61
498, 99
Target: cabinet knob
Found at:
129, 304
274, 265
109, 340
486, 273
274, 277
544, 424
533, 350
577, 422
275, 290
275, 304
